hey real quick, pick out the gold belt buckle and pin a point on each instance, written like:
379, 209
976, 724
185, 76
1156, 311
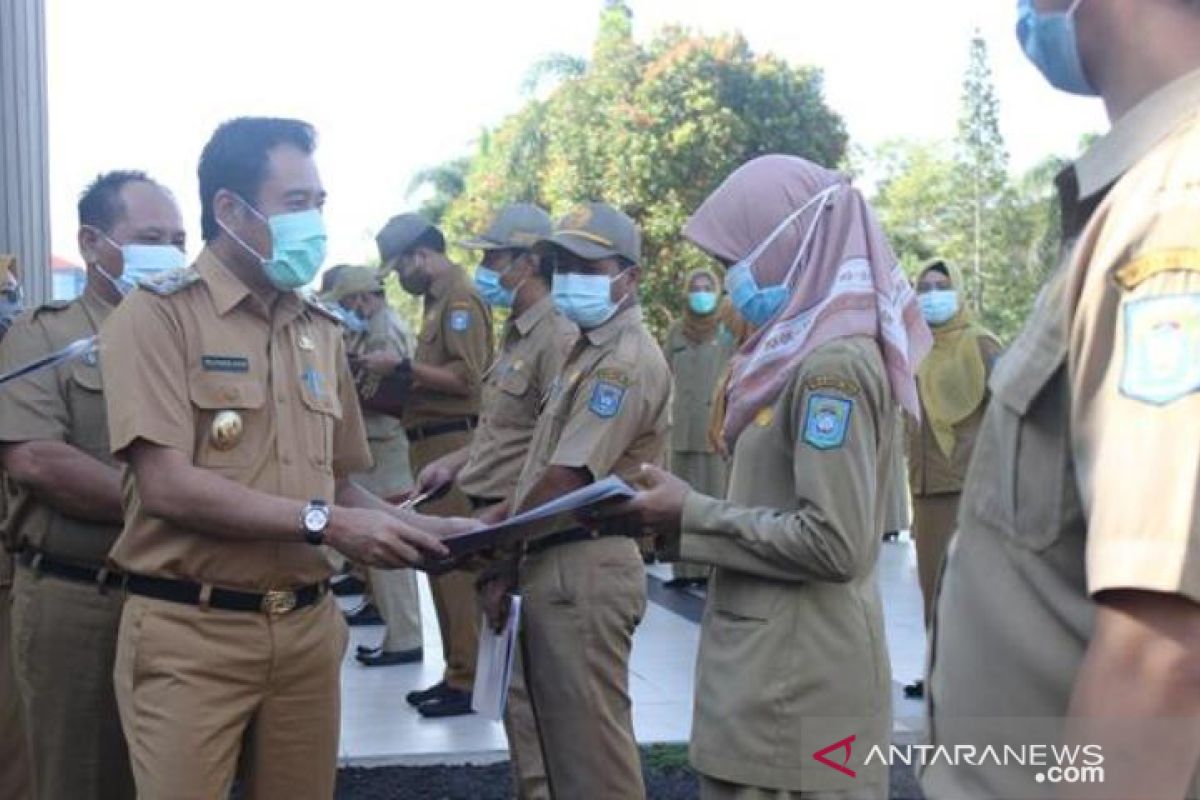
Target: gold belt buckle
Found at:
278, 601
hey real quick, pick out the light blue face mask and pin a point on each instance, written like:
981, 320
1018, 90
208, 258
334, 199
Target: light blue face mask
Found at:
938, 306
586, 300
297, 247
493, 292
1050, 41
354, 321
141, 262
758, 305
702, 303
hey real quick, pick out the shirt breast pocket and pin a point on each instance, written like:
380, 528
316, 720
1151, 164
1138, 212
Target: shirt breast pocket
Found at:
1022, 456
322, 412
89, 428
230, 422
513, 397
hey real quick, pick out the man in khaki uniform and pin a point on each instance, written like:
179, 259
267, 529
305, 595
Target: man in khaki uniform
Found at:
66, 504
535, 343
230, 398
14, 766
583, 595
453, 351
1067, 610
376, 336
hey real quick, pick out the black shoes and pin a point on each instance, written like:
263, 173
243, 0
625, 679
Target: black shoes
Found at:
892, 536
684, 583
378, 657
421, 695
915, 690
347, 587
366, 614
449, 703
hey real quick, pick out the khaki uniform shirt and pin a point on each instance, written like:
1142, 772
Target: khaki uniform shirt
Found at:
1085, 474
200, 345
457, 335
930, 472
62, 404
391, 472
696, 369
792, 649
609, 410
535, 345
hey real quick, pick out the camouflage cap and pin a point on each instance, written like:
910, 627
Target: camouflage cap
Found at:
518, 226
353, 280
399, 235
597, 230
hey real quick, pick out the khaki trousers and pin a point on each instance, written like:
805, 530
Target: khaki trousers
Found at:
934, 520
206, 694
65, 639
14, 763
453, 593
581, 603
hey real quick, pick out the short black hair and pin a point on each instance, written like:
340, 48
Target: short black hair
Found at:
100, 205
431, 239
235, 159
937, 266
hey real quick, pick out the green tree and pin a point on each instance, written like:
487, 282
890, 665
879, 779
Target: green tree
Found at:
652, 129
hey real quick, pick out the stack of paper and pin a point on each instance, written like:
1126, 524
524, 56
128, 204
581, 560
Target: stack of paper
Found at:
494, 664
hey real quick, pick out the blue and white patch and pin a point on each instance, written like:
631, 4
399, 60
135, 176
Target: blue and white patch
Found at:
827, 421
606, 399
314, 381
1162, 348
460, 320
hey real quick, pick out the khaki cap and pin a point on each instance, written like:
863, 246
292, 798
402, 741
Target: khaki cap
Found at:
354, 280
518, 226
399, 235
597, 230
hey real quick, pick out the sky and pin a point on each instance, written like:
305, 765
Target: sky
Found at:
393, 86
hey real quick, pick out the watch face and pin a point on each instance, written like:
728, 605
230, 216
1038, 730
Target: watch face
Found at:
315, 519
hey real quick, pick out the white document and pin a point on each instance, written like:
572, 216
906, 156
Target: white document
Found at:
494, 664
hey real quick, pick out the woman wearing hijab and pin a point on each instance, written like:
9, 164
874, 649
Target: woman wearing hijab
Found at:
697, 349
793, 678
952, 384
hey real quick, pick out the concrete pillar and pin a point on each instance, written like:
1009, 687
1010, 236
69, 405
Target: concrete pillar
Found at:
24, 165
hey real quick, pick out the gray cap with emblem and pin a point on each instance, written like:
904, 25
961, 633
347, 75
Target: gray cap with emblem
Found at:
518, 226
597, 230
399, 234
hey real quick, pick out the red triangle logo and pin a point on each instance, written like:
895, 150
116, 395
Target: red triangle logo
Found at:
844, 744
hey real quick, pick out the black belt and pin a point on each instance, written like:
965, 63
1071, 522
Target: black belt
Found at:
568, 537
43, 564
478, 503
440, 428
273, 602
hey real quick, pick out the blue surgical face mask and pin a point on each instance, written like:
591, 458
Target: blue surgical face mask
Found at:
1050, 41
938, 306
586, 300
354, 321
702, 302
297, 247
758, 305
141, 262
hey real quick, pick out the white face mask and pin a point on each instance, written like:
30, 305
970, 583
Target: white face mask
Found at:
141, 262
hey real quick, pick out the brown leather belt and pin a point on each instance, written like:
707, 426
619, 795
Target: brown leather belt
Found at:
275, 602
42, 564
433, 429
568, 537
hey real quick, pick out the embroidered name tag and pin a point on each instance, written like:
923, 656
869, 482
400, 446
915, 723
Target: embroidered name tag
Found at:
225, 363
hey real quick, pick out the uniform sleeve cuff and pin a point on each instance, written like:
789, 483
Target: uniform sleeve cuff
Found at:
1144, 565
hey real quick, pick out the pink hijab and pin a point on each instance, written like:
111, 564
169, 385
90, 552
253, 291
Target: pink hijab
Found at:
848, 283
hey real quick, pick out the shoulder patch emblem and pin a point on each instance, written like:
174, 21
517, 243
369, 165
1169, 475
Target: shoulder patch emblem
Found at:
827, 421
1162, 348
170, 282
834, 383
606, 399
1147, 266
460, 320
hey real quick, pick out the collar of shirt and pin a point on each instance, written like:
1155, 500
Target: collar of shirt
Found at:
228, 291
95, 306
533, 315
1134, 135
443, 285
621, 320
